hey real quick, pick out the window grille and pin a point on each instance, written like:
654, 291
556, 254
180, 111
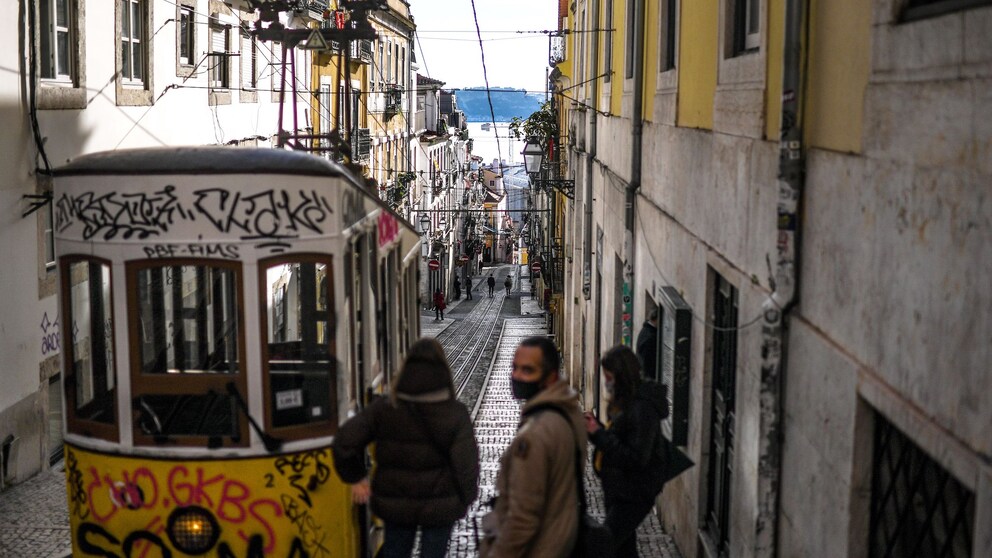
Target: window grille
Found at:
917, 508
722, 423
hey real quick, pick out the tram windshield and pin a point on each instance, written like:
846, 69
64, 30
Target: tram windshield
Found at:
188, 320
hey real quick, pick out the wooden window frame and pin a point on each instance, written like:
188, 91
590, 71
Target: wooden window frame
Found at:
310, 429
74, 425
180, 384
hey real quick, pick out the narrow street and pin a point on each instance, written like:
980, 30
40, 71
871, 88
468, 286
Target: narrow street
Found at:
481, 364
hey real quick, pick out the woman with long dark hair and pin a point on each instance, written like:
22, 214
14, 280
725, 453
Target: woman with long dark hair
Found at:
629, 452
427, 461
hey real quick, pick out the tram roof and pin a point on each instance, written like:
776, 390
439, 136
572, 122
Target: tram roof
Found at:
202, 160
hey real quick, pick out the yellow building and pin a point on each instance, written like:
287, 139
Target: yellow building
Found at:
727, 127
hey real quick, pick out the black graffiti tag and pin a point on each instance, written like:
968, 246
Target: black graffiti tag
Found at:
138, 215
270, 214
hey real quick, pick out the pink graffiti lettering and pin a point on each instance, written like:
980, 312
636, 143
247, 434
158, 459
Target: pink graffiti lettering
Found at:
186, 493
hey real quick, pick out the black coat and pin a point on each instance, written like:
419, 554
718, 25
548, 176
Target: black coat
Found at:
647, 351
413, 482
629, 452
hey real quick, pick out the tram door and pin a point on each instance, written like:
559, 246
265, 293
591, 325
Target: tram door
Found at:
356, 294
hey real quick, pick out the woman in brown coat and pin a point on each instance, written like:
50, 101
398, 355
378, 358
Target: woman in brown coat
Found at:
427, 461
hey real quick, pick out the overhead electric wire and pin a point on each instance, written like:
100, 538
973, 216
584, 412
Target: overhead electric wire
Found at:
485, 75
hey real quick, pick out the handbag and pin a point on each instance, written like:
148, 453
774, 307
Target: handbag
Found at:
594, 539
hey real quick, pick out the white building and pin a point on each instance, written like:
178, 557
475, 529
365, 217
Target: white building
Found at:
93, 75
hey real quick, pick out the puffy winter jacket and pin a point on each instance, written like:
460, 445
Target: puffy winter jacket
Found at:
629, 452
413, 482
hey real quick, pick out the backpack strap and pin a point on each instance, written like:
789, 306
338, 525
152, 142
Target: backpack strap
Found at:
579, 484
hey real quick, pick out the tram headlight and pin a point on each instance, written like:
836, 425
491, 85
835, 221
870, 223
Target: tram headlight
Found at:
192, 530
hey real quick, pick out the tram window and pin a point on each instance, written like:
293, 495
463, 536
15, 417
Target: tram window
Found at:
187, 317
90, 384
186, 353
299, 345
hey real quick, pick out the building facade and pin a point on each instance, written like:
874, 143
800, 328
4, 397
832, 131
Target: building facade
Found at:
831, 386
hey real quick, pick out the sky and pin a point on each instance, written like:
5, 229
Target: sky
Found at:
447, 37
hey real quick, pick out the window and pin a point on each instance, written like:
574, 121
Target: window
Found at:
249, 61
389, 63
57, 40
187, 354
723, 402
629, 40
220, 46
89, 386
666, 53
132, 41
187, 35
48, 217
746, 26
298, 349
608, 55
920, 9
917, 507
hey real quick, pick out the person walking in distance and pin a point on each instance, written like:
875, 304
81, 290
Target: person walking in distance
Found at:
491, 281
508, 283
458, 288
439, 304
427, 460
629, 453
537, 506
468, 287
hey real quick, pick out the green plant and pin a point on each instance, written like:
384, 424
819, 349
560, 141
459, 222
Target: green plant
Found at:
541, 124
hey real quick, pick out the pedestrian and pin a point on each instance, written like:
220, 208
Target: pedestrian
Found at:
647, 346
426, 471
439, 305
629, 452
458, 288
536, 513
468, 287
508, 283
491, 281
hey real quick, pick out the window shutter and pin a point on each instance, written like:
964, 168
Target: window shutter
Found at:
217, 40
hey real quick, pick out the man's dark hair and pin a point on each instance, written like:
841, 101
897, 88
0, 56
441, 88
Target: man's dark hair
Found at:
653, 315
550, 359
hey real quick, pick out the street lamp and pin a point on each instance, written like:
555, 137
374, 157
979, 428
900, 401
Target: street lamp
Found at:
425, 223
533, 156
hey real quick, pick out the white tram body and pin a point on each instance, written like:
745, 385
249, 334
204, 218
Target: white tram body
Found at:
227, 308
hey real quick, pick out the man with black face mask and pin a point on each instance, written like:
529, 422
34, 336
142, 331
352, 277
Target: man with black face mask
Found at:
537, 509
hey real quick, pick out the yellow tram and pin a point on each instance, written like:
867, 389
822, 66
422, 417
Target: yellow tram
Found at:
227, 308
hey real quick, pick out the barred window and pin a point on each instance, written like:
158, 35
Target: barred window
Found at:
917, 508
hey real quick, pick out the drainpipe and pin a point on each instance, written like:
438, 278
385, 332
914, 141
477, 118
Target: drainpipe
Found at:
590, 148
784, 284
637, 130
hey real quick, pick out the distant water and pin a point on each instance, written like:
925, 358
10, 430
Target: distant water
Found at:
484, 144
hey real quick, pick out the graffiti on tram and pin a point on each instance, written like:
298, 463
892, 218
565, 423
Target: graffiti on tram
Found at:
282, 506
267, 215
